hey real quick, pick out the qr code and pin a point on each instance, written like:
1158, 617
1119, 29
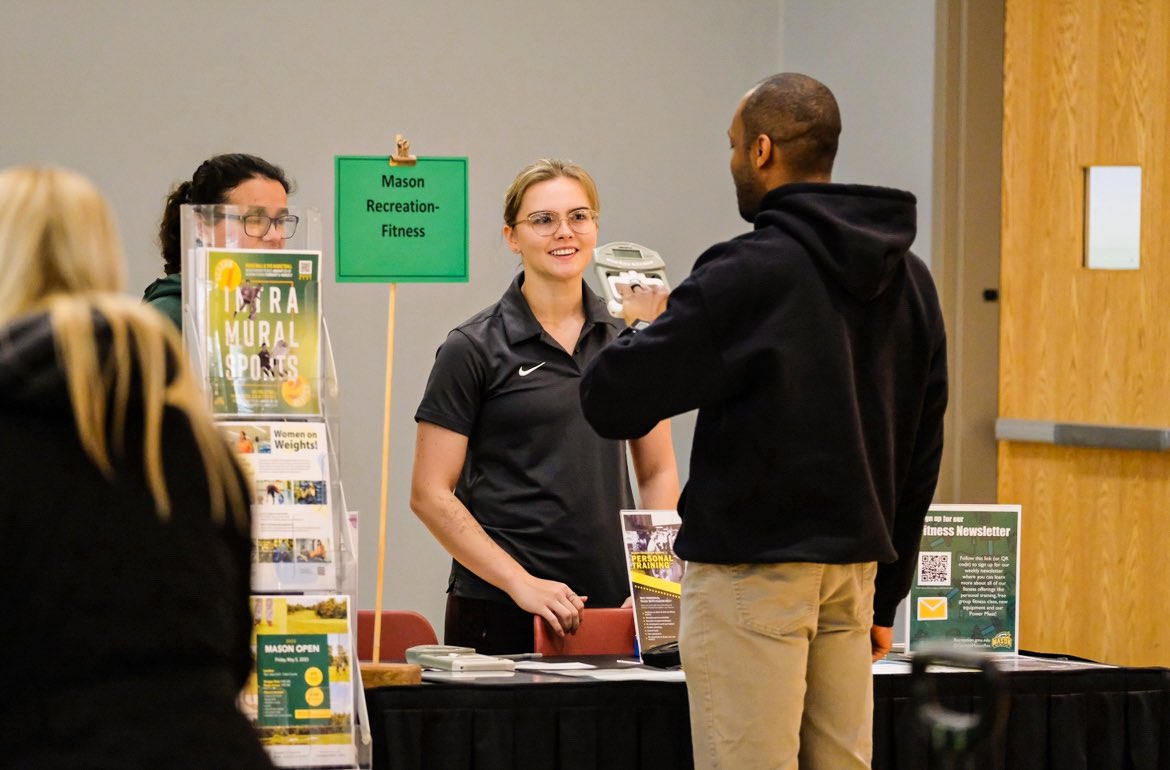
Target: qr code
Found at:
305, 268
934, 568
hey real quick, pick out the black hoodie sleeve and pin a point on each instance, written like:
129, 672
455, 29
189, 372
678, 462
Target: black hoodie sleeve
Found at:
894, 579
671, 367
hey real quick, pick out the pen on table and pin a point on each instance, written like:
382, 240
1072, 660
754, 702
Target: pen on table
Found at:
522, 656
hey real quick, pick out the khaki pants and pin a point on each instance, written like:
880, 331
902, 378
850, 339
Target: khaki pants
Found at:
778, 665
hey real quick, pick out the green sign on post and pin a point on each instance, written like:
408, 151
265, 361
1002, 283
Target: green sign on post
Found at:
401, 224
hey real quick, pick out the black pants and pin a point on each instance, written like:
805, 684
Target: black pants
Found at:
492, 628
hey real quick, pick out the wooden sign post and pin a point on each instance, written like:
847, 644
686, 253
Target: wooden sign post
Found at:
398, 220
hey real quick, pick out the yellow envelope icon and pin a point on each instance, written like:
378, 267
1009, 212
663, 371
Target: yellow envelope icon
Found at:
932, 608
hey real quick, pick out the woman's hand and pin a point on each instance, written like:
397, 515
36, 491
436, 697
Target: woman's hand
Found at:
553, 601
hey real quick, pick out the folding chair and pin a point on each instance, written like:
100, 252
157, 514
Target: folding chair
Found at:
603, 631
400, 629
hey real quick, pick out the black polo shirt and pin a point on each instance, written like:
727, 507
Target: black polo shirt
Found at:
537, 478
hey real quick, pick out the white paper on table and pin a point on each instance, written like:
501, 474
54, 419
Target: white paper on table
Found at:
545, 665
631, 674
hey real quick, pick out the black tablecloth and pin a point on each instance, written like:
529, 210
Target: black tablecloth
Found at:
1089, 719
1086, 719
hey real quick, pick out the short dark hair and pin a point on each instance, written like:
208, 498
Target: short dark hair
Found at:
210, 184
800, 116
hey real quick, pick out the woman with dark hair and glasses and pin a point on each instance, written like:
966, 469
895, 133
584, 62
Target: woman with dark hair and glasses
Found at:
508, 476
259, 192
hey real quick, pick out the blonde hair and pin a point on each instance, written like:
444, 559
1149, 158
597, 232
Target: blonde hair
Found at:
541, 171
60, 254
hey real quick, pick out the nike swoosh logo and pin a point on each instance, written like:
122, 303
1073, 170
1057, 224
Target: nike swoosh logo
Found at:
525, 372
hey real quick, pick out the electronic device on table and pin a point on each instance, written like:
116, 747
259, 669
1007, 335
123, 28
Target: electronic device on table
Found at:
621, 266
446, 657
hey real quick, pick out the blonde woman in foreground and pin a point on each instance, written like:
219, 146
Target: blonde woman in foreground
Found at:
126, 579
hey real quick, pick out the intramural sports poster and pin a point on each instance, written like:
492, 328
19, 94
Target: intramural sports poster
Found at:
294, 540
967, 581
263, 320
300, 695
655, 574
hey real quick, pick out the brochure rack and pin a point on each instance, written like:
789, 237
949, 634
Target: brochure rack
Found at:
254, 328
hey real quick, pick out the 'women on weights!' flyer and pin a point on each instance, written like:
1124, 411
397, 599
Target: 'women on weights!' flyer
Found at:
294, 541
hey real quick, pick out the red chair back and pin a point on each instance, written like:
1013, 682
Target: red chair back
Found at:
400, 629
603, 631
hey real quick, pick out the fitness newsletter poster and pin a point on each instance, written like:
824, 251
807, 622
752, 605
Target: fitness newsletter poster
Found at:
967, 582
263, 329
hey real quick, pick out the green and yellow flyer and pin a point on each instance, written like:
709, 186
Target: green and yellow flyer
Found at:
263, 331
300, 697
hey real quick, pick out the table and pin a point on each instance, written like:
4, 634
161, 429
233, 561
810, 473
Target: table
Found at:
1059, 717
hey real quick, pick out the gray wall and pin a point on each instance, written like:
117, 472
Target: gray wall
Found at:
136, 94
879, 60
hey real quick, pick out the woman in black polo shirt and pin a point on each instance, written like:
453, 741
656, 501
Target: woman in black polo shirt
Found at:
507, 474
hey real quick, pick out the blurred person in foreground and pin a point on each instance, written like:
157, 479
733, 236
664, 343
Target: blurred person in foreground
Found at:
814, 349
127, 632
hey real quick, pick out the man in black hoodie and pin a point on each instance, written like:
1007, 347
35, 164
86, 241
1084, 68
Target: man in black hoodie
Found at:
813, 348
